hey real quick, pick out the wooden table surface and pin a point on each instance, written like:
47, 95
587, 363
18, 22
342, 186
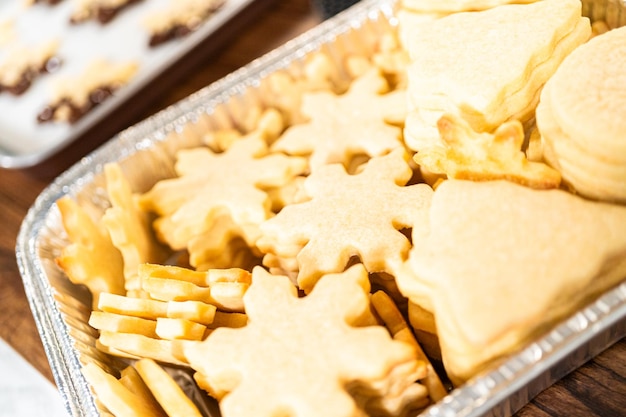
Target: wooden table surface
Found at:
596, 389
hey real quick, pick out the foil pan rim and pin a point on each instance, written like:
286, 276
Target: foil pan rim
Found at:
478, 397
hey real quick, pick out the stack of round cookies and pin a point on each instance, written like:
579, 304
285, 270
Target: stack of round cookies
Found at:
582, 118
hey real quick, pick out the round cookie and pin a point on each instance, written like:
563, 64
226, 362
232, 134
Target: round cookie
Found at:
590, 175
582, 116
588, 95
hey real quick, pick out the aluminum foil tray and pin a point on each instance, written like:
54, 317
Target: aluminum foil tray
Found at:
145, 152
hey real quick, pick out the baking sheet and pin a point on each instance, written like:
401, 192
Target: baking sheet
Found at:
23, 141
144, 151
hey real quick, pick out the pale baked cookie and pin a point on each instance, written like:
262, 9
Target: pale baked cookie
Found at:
528, 257
584, 172
22, 65
468, 155
223, 288
150, 309
413, 15
224, 244
116, 396
393, 60
73, 97
324, 358
178, 306
283, 90
130, 228
489, 66
422, 322
179, 19
342, 127
212, 184
410, 22
167, 391
389, 57
453, 6
582, 128
348, 216
391, 316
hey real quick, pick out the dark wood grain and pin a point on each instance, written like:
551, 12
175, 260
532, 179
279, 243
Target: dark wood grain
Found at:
597, 389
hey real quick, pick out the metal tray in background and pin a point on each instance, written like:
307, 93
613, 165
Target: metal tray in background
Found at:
24, 143
145, 152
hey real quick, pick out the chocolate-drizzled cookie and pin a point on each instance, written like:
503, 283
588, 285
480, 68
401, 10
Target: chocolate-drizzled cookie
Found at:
102, 11
76, 97
24, 64
179, 19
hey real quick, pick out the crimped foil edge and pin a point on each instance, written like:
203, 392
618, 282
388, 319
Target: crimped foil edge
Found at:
500, 391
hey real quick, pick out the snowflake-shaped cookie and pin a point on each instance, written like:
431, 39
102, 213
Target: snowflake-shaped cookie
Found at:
210, 183
298, 356
344, 126
283, 89
348, 215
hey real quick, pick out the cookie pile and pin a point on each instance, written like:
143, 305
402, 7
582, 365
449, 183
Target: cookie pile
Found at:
583, 128
298, 261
